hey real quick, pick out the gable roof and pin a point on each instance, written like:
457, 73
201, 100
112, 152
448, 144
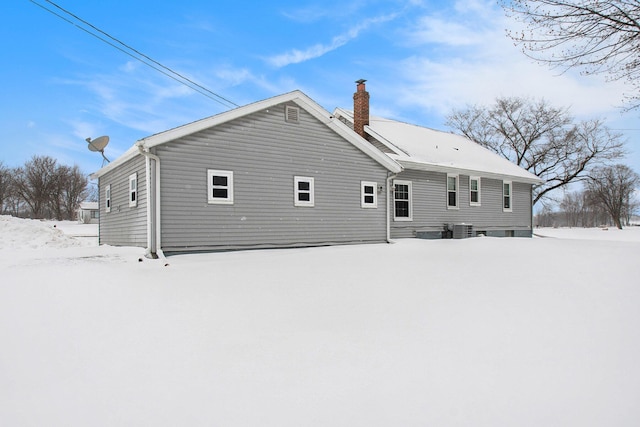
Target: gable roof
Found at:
420, 148
297, 97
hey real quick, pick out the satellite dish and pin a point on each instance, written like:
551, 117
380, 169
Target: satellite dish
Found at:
99, 145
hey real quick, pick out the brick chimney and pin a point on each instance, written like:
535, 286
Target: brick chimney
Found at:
360, 108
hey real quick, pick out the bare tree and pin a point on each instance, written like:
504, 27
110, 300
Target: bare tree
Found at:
35, 182
595, 36
572, 206
540, 138
5, 186
75, 190
613, 186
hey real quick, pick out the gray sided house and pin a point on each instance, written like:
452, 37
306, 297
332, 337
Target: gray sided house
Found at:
284, 172
449, 186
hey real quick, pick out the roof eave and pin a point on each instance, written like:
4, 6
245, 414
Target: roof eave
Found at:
125, 157
432, 167
296, 96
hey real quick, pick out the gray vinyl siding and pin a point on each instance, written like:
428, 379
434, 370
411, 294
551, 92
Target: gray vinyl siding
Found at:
124, 225
265, 153
430, 212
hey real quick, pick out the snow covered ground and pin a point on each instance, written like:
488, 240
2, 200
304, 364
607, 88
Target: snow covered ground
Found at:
476, 332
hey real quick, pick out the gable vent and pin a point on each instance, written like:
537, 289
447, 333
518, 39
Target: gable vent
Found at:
292, 114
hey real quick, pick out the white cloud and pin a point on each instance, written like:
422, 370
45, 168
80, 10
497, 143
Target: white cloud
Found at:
480, 63
296, 56
84, 129
431, 29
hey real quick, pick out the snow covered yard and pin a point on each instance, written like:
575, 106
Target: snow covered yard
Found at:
476, 332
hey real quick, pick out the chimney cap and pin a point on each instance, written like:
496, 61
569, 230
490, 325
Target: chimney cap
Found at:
361, 81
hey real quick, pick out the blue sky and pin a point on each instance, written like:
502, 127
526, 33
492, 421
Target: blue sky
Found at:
421, 59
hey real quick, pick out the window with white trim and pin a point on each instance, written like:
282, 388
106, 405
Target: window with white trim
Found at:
507, 189
474, 190
133, 190
220, 187
368, 194
403, 211
107, 198
303, 189
452, 191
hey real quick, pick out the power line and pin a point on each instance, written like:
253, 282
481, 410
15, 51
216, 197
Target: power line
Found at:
150, 62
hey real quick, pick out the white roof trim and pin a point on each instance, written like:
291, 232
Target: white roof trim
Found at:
434, 167
296, 96
125, 157
504, 169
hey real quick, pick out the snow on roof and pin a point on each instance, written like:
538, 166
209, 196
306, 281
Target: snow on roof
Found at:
421, 148
89, 205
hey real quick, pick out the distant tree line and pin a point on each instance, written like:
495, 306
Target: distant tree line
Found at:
42, 189
548, 142
608, 198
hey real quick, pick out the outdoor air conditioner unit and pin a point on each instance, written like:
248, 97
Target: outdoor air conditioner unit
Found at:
462, 231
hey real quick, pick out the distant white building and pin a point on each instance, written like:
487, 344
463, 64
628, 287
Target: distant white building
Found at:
89, 213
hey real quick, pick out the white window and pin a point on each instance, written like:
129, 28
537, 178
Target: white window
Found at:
369, 194
507, 206
403, 211
474, 190
107, 198
303, 191
133, 190
452, 191
220, 187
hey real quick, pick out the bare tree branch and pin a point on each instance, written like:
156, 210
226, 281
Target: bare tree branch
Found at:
540, 138
597, 37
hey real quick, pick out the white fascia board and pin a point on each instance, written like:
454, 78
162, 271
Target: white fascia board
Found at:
347, 133
296, 96
184, 130
340, 112
125, 157
200, 125
432, 167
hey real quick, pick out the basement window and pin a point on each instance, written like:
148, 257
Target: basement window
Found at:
369, 195
303, 188
291, 114
220, 187
107, 198
133, 190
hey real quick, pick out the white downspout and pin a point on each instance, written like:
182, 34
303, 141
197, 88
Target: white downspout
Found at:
153, 199
389, 205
